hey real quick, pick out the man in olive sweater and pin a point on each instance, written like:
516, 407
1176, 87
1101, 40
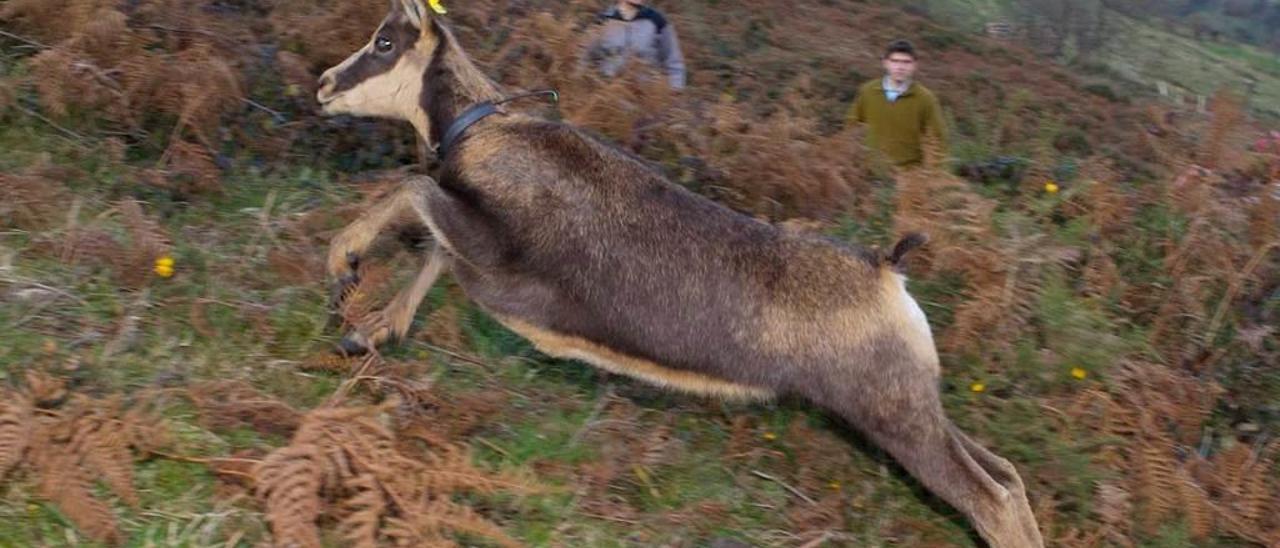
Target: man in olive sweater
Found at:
899, 112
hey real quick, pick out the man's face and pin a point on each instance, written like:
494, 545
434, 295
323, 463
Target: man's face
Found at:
900, 66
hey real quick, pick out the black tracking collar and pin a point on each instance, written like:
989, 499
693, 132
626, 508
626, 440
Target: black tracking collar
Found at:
475, 113
468, 118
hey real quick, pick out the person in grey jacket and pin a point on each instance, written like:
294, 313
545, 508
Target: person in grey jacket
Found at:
631, 28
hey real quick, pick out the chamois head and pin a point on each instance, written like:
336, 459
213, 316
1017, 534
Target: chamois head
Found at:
411, 69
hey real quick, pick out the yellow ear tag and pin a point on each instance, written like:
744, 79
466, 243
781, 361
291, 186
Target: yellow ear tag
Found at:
437, 7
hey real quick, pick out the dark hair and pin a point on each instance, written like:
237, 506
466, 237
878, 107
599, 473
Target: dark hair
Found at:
900, 46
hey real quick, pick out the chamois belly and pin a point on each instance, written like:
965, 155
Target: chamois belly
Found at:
527, 307
753, 322
561, 345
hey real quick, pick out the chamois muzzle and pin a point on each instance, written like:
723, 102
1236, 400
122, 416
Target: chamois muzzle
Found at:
324, 94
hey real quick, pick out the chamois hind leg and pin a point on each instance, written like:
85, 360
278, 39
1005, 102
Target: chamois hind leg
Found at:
393, 321
346, 248
906, 419
1003, 472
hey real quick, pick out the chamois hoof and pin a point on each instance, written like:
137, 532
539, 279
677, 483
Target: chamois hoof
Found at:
351, 347
337, 298
340, 289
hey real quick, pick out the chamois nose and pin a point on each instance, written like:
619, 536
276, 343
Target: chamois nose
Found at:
325, 91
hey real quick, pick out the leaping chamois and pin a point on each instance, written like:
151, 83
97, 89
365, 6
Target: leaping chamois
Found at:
592, 255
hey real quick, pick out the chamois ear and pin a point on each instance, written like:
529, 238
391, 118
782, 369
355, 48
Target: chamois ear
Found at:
416, 11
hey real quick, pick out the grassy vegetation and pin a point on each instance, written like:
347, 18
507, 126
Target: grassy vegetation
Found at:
690, 487
1143, 52
1065, 318
1149, 54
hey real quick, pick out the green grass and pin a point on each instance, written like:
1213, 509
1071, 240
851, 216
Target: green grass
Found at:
969, 15
1261, 60
1142, 52
547, 424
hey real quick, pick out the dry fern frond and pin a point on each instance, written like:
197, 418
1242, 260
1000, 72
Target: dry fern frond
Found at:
450, 470
15, 429
360, 302
656, 446
451, 417
1232, 467
1228, 112
45, 390
443, 327
367, 506
200, 320
349, 468
189, 168
32, 201
326, 36
429, 523
1196, 507
330, 362
147, 242
102, 445
404, 533
1156, 480
289, 479
71, 448
93, 246
1245, 479
1255, 499
65, 483
295, 265
1114, 509
235, 469
144, 431
1264, 218
144, 232
1234, 524
59, 87
227, 404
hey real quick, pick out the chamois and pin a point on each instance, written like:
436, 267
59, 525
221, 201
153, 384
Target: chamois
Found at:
591, 254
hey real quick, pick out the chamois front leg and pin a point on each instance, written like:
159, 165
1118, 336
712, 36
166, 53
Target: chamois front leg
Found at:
349, 245
393, 321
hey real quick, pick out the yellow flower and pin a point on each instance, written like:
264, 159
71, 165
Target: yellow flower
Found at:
1079, 373
1051, 187
977, 387
770, 436
436, 7
164, 266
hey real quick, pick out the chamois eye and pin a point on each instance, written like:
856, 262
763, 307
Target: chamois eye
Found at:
383, 44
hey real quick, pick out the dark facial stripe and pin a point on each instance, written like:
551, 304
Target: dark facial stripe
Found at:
440, 99
403, 35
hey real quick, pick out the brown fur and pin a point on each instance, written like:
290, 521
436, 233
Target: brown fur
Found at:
593, 255
562, 346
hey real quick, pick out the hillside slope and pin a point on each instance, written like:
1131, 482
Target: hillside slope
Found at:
169, 192
1146, 51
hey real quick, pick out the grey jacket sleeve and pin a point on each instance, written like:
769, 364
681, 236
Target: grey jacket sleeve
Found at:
671, 56
591, 53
